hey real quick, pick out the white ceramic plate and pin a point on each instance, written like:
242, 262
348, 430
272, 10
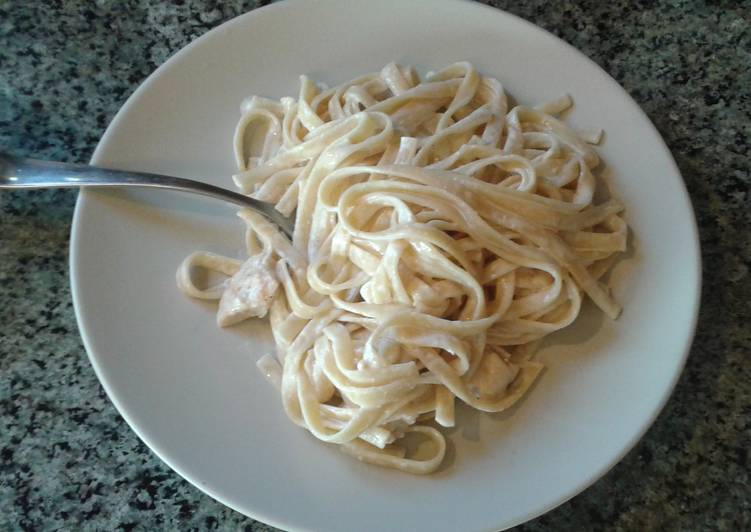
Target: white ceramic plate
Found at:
191, 391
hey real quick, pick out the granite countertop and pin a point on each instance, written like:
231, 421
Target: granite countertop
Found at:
67, 458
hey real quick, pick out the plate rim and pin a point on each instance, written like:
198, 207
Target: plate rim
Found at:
258, 514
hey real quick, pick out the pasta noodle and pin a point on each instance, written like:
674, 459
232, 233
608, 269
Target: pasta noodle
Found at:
439, 236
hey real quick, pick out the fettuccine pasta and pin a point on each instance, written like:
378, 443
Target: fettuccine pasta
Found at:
439, 236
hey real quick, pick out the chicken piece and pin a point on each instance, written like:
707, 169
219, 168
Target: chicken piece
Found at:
493, 376
249, 292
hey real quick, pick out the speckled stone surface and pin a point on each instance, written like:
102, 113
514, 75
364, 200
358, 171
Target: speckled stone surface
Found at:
69, 461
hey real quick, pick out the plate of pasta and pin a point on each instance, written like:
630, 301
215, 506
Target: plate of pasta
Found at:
488, 295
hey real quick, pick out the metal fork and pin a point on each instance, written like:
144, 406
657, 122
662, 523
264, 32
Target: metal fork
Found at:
18, 172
